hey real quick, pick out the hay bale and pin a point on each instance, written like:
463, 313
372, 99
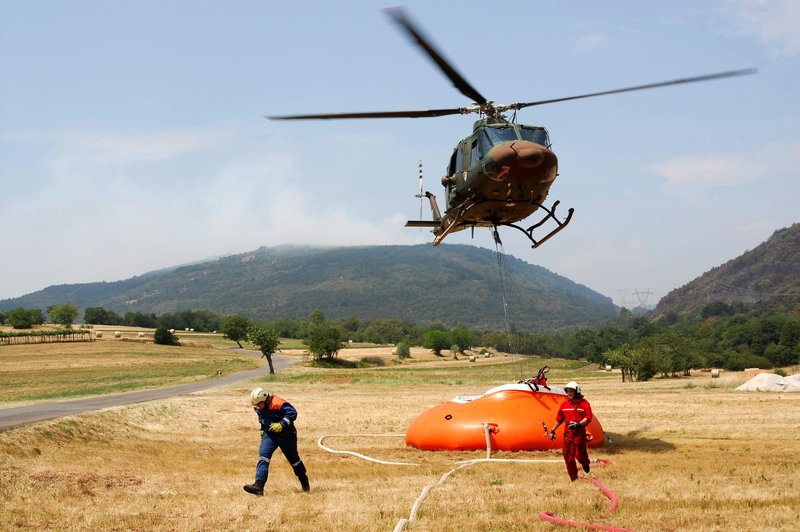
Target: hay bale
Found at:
608, 367
715, 374
472, 358
140, 335
98, 334
117, 334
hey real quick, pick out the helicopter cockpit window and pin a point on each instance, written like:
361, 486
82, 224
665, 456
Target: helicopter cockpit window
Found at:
486, 145
535, 134
475, 153
500, 134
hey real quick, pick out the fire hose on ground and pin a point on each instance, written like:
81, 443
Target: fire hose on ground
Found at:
544, 516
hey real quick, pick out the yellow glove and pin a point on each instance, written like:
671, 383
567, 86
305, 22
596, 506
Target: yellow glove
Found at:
275, 427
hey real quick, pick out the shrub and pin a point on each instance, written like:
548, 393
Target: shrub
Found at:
366, 362
402, 350
163, 336
22, 318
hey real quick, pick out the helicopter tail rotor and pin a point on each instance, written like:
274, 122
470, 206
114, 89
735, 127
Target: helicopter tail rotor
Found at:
420, 194
436, 223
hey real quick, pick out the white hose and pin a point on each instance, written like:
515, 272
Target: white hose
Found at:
487, 430
427, 489
363, 457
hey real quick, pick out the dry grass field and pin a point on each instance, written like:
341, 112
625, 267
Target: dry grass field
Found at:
36, 372
688, 454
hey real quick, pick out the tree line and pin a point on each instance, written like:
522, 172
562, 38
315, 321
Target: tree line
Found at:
732, 336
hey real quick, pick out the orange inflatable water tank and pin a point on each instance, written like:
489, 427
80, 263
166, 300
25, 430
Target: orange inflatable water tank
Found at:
515, 414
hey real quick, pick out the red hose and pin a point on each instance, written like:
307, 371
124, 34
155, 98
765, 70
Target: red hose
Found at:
551, 518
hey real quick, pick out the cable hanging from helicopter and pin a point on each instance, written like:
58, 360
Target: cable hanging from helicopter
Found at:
502, 173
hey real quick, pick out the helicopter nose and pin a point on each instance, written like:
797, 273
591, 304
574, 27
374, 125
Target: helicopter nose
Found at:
530, 154
524, 154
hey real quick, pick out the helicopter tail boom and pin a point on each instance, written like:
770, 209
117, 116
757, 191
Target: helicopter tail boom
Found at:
437, 215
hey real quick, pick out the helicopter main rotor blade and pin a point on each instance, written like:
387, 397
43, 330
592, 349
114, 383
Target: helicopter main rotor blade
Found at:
707, 77
399, 16
387, 114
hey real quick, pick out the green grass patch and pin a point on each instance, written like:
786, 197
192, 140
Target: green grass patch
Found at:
292, 343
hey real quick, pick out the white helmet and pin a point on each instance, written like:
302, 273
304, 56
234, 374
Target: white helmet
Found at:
574, 385
258, 395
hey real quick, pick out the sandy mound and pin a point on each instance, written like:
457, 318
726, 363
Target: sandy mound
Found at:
769, 382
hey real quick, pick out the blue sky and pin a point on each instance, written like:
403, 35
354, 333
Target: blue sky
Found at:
132, 134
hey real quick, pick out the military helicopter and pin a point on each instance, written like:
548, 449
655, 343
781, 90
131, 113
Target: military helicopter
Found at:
502, 173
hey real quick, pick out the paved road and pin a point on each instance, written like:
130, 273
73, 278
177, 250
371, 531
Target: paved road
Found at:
12, 417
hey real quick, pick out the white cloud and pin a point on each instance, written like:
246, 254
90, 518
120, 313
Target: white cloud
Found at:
697, 173
773, 22
142, 147
120, 146
775, 162
108, 216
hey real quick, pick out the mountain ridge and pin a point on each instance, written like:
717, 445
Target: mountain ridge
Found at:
455, 285
769, 271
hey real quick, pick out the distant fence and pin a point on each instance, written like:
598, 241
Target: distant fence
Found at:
45, 337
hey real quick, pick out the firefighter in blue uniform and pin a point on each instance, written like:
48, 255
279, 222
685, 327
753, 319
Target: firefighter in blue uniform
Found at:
277, 418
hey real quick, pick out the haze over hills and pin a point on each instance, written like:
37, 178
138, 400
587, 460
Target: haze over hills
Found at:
769, 271
452, 284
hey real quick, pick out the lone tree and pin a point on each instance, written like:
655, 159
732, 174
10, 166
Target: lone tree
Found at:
236, 328
436, 341
623, 358
65, 314
324, 341
462, 337
267, 340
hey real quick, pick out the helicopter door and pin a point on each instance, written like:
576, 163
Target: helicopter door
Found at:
455, 170
460, 157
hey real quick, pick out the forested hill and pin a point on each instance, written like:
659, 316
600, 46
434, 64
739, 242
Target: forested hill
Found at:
770, 271
453, 284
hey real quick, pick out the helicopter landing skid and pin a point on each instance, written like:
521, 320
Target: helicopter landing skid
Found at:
551, 215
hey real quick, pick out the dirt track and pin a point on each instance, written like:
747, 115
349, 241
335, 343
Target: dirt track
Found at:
12, 417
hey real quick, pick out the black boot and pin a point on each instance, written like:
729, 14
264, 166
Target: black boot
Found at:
256, 488
304, 482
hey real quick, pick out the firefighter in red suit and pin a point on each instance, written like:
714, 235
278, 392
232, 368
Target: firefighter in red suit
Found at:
576, 413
